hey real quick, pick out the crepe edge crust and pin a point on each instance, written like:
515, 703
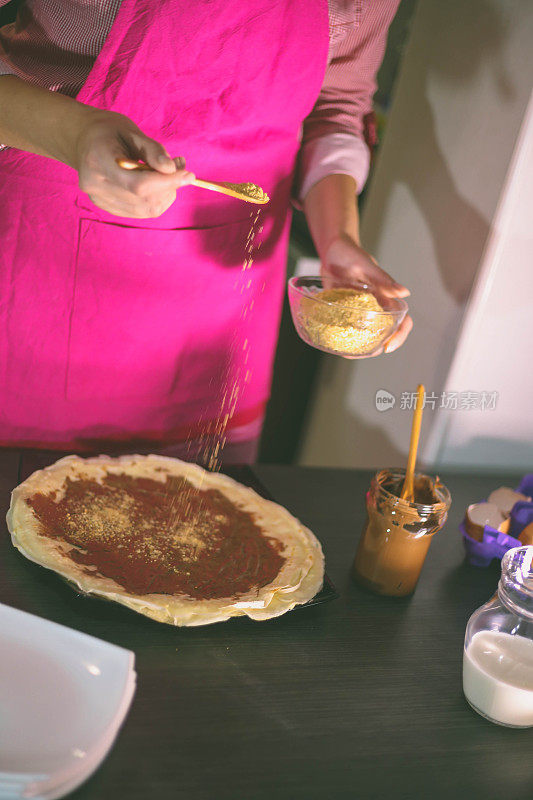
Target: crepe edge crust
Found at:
295, 584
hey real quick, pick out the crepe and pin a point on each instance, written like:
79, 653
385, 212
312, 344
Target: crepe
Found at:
165, 538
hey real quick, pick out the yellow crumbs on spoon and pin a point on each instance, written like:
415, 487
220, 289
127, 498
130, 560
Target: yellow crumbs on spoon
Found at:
249, 189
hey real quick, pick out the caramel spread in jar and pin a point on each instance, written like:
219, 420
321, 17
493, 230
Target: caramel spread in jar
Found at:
397, 534
160, 537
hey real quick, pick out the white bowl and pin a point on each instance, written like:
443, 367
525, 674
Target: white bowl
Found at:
63, 698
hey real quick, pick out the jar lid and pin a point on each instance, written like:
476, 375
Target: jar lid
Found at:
516, 583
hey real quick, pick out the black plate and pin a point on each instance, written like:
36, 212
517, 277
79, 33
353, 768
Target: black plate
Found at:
244, 474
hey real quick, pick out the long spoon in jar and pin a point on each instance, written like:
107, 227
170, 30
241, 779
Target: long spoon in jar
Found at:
243, 191
409, 481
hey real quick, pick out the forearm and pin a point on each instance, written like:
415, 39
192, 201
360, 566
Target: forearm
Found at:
330, 207
40, 121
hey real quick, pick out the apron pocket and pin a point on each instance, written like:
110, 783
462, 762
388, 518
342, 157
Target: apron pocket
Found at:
152, 310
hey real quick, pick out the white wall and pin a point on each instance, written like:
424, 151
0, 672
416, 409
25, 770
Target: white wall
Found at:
495, 347
459, 105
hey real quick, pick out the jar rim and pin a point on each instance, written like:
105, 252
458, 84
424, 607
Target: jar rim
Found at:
415, 508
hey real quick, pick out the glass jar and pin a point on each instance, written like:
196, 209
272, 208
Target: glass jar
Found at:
397, 533
498, 649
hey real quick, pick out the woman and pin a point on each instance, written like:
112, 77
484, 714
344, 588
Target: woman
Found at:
126, 315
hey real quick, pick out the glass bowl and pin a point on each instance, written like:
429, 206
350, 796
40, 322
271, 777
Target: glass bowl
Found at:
338, 328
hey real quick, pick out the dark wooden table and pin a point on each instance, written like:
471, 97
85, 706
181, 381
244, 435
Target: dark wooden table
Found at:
357, 698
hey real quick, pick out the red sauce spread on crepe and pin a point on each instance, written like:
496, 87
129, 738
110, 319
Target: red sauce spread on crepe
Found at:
160, 537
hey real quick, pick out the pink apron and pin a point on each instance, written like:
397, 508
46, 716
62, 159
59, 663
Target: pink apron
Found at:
126, 330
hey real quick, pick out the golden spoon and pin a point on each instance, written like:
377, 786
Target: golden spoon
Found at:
243, 191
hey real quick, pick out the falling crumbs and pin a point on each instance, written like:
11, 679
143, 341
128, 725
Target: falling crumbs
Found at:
207, 448
238, 373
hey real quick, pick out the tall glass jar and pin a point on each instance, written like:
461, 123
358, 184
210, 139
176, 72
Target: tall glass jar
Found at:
498, 649
397, 533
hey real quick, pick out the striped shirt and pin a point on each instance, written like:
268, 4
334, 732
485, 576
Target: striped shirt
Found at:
54, 45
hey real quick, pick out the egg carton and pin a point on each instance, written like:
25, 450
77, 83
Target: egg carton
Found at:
497, 541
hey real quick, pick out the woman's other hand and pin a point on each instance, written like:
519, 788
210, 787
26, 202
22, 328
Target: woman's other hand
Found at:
330, 206
345, 262
106, 136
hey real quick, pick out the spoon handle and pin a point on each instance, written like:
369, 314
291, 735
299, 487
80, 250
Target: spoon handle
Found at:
126, 163
408, 486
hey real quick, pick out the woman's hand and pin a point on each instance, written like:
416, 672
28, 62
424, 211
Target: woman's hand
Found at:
106, 136
345, 262
330, 206
89, 140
